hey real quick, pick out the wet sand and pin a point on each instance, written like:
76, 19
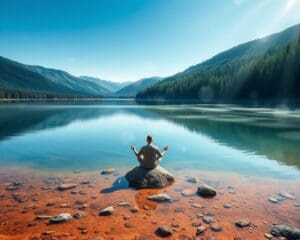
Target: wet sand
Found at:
243, 197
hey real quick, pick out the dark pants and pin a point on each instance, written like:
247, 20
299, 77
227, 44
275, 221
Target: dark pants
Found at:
151, 165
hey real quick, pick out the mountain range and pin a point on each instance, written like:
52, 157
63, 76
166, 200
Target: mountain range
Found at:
20, 80
266, 68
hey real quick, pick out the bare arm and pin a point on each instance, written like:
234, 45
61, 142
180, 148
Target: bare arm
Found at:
160, 154
136, 153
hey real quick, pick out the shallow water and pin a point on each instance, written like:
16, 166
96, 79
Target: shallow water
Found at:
247, 154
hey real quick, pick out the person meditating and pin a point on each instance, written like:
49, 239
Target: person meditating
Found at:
149, 156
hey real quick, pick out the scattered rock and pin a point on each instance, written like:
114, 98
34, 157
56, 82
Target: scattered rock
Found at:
188, 192
32, 224
161, 198
106, 211
51, 203
215, 227
175, 225
285, 230
268, 236
124, 204
164, 231
85, 182
243, 223
14, 186
149, 178
200, 230
19, 198
273, 200
79, 215
108, 171
43, 217
196, 205
192, 180
128, 225
48, 232
287, 195
205, 190
66, 186
208, 219
60, 218
134, 209
227, 206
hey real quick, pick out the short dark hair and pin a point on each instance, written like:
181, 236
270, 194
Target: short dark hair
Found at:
149, 138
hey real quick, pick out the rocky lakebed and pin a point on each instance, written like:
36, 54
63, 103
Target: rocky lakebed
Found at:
157, 204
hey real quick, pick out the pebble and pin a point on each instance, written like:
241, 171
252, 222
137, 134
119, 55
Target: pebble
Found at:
106, 211
227, 206
108, 171
161, 198
287, 195
196, 205
124, 204
66, 186
192, 180
268, 235
215, 227
208, 219
164, 231
188, 192
79, 215
200, 230
243, 223
63, 217
273, 200
43, 217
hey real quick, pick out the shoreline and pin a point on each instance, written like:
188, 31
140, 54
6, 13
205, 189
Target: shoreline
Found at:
244, 197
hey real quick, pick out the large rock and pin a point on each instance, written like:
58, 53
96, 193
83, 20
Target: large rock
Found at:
205, 190
284, 230
140, 177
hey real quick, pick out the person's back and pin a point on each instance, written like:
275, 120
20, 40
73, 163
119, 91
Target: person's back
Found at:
149, 156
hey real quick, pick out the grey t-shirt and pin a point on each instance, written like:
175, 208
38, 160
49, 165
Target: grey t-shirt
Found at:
150, 156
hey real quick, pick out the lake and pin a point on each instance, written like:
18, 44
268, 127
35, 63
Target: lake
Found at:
253, 150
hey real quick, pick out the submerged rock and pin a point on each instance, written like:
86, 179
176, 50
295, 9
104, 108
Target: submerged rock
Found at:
284, 230
107, 171
140, 177
287, 195
205, 190
161, 198
63, 217
66, 186
273, 200
164, 231
106, 211
243, 223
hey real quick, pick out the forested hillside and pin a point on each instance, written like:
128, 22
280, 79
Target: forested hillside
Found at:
272, 74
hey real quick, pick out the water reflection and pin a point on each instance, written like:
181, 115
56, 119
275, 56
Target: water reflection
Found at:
73, 136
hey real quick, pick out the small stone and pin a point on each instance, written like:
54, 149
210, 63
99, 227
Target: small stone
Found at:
196, 224
205, 190
188, 192
215, 227
128, 225
287, 195
161, 198
196, 205
192, 180
179, 210
66, 186
164, 231
85, 182
64, 205
208, 219
107, 171
48, 232
243, 223
43, 217
268, 235
124, 204
106, 211
200, 230
32, 224
134, 209
175, 225
63, 217
79, 215
273, 200
51, 203
227, 206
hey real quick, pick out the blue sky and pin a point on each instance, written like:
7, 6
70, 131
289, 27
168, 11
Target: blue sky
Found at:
123, 40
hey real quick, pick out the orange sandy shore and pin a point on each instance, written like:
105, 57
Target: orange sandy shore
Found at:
249, 201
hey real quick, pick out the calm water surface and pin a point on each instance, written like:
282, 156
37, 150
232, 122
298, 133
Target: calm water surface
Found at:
230, 138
